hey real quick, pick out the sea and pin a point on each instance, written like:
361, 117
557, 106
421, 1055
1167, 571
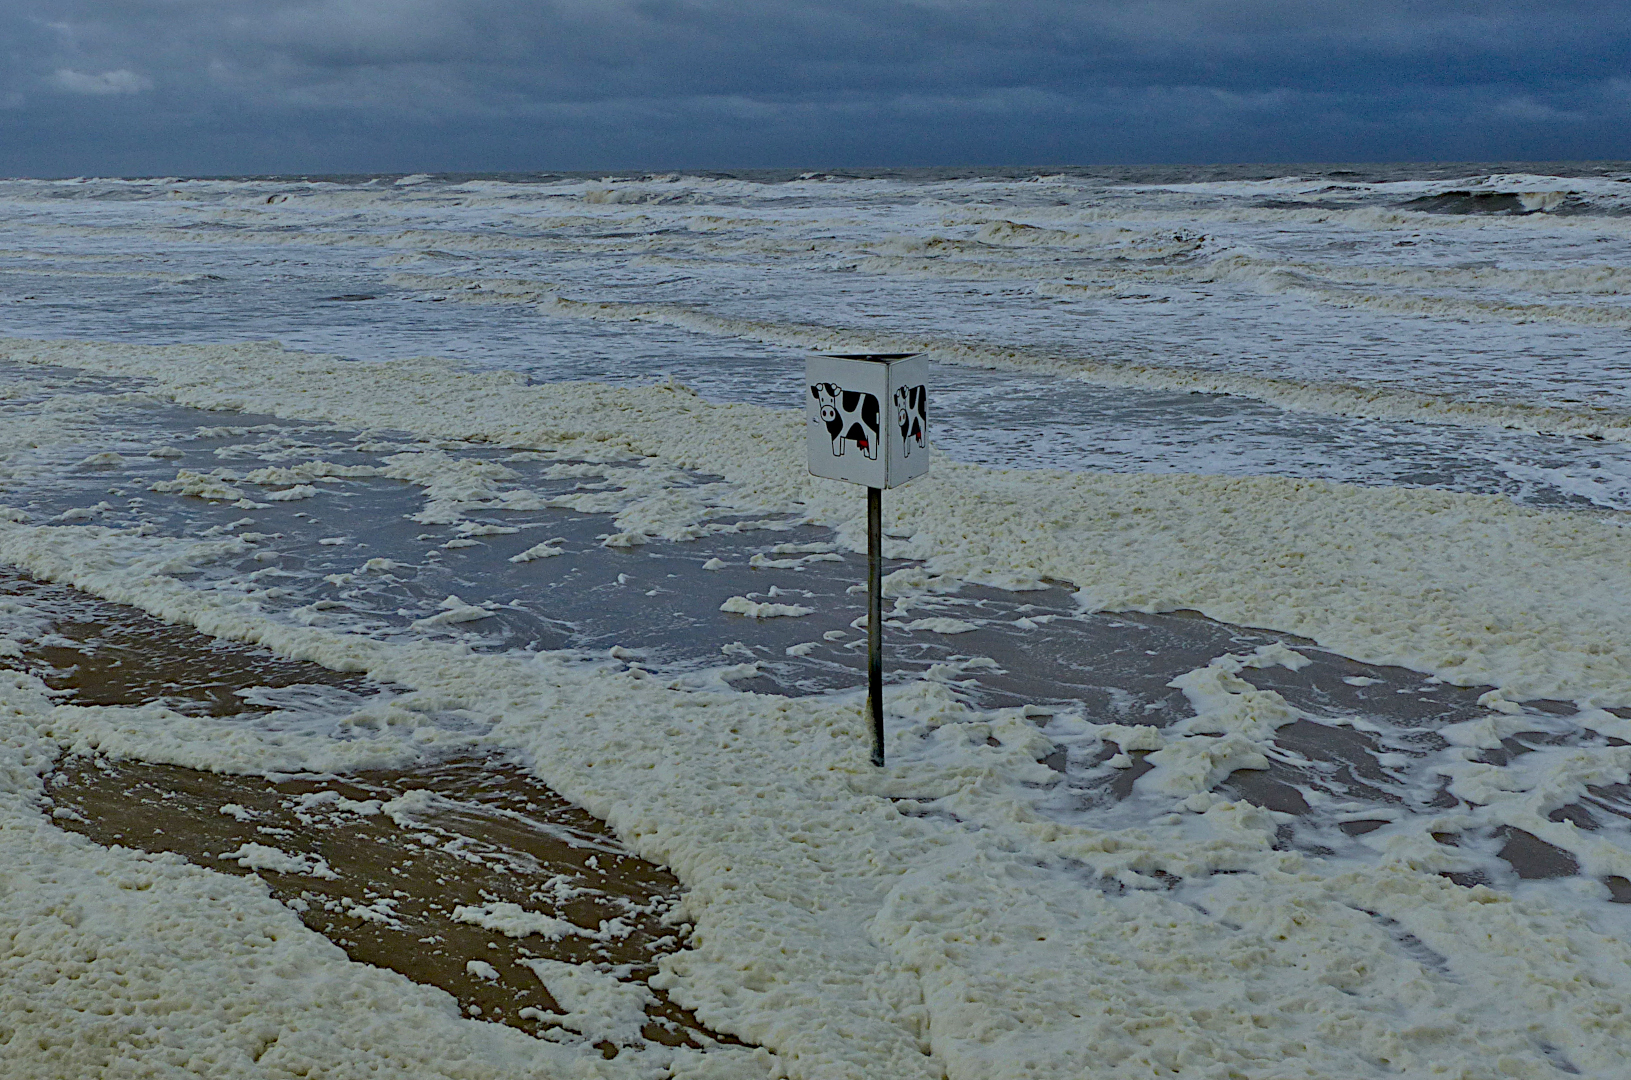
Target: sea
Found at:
1164, 690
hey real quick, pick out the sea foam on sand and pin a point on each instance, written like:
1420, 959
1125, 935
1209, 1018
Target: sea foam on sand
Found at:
837, 922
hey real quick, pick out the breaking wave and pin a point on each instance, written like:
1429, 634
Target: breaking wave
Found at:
1339, 398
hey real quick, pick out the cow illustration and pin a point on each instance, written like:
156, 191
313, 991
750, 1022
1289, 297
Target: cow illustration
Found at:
911, 413
849, 416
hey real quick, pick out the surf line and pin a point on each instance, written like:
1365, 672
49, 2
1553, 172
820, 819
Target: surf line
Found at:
1327, 397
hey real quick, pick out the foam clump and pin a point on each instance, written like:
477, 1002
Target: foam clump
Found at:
758, 609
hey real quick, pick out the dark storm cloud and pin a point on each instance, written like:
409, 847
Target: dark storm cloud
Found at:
232, 85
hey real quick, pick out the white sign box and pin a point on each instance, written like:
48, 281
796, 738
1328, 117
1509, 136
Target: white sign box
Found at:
866, 418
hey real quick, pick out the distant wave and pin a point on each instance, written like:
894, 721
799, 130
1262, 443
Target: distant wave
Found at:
1514, 203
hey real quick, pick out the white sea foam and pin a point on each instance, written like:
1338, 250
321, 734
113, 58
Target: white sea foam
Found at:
512, 920
759, 609
841, 961
597, 1005
261, 857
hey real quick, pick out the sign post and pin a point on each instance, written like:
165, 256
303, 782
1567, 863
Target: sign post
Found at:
866, 422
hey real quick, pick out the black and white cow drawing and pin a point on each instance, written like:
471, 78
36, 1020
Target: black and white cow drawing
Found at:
911, 413
849, 416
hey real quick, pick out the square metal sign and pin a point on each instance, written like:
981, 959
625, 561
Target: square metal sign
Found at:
866, 418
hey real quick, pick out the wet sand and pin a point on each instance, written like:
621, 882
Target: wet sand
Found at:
479, 832
98, 653
488, 834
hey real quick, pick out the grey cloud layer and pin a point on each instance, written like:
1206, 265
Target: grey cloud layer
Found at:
227, 85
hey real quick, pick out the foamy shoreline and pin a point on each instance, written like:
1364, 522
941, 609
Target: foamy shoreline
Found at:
1342, 788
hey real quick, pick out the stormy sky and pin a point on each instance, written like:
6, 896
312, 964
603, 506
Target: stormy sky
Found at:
189, 87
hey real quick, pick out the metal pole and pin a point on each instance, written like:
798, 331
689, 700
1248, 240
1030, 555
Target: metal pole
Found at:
874, 617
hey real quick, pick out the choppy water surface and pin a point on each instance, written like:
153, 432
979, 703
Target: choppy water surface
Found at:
1489, 285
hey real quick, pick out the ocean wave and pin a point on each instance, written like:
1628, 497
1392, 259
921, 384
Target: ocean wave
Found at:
1331, 397
1344, 399
1534, 191
1510, 203
141, 275
1187, 254
1491, 192
1386, 216
1176, 257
